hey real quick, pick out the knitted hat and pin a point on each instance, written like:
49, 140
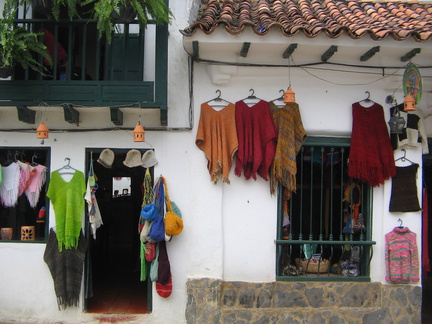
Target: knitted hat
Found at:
173, 224
133, 159
149, 159
106, 158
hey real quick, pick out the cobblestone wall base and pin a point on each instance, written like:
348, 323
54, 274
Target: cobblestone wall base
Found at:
216, 301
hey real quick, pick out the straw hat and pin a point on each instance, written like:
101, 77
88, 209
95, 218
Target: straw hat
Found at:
133, 159
149, 159
106, 158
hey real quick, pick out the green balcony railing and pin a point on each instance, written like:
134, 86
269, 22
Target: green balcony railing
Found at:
88, 71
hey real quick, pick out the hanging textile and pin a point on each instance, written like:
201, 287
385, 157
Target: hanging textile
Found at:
257, 139
95, 217
36, 182
401, 256
66, 269
148, 198
24, 177
217, 138
10, 185
404, 195
371, 155
290, 138
67, 198
414, 132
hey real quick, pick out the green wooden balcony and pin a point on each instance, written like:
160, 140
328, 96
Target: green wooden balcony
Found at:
94, 73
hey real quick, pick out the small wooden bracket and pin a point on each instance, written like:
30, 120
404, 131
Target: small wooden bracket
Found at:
71, 115
116, 116
408, 56
288, 52
366, 56
329, 53
195, 49
245, 49
26, 115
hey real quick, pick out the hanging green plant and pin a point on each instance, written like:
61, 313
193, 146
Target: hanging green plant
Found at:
110, 12
19, 45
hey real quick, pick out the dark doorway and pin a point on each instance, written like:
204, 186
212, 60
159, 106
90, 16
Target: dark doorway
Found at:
113, 267
427, 230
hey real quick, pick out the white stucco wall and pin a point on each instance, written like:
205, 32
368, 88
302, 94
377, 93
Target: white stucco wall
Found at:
229, 229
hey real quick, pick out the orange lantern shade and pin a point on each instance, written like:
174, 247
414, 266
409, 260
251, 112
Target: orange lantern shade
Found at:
139, 133
409, 103
42, 131
289, 95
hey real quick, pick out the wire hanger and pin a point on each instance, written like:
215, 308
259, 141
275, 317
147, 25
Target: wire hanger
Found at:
33, 162
66, 169
218, 101
403, 158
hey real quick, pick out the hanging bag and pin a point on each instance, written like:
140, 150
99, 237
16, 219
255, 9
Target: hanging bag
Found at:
148, 209
91, 176
157, 230
155, 266
173, 223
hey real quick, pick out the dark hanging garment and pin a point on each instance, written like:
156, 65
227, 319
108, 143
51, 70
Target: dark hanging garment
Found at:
404, 196
66, 269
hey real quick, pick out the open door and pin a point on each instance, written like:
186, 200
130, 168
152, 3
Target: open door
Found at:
113, 261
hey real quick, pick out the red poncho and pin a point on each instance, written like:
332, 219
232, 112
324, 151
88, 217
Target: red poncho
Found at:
256, 138
371, 155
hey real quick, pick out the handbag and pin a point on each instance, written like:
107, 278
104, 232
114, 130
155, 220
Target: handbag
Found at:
149, 212
91, 176
173, 223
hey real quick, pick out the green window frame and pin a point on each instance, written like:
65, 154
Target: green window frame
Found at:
317, 244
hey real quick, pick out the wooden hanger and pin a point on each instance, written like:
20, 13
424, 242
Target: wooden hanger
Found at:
66, 169
404, 158
218, 101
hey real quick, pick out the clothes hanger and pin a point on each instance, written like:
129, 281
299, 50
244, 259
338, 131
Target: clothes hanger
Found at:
400, 223
66, 169
252, 97
33, 162
404, 158
367, 100
219, 102
279, 98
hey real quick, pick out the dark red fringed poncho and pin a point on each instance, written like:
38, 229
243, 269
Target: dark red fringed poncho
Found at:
371, 155
256, 139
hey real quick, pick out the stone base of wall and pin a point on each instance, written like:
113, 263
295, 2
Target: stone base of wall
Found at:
217, 301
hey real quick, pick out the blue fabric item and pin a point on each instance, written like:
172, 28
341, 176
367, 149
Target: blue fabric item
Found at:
149, 212
157, 230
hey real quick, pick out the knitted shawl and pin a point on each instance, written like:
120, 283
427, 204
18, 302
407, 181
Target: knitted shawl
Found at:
67, 198
35, 184
257, 139
371, 155
401, 256
217, 137
290, 138
66, 269
24, 177
10, 185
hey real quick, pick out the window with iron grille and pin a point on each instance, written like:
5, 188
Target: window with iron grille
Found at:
324, 227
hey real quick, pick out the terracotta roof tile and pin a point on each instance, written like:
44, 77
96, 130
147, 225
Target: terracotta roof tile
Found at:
401, 19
